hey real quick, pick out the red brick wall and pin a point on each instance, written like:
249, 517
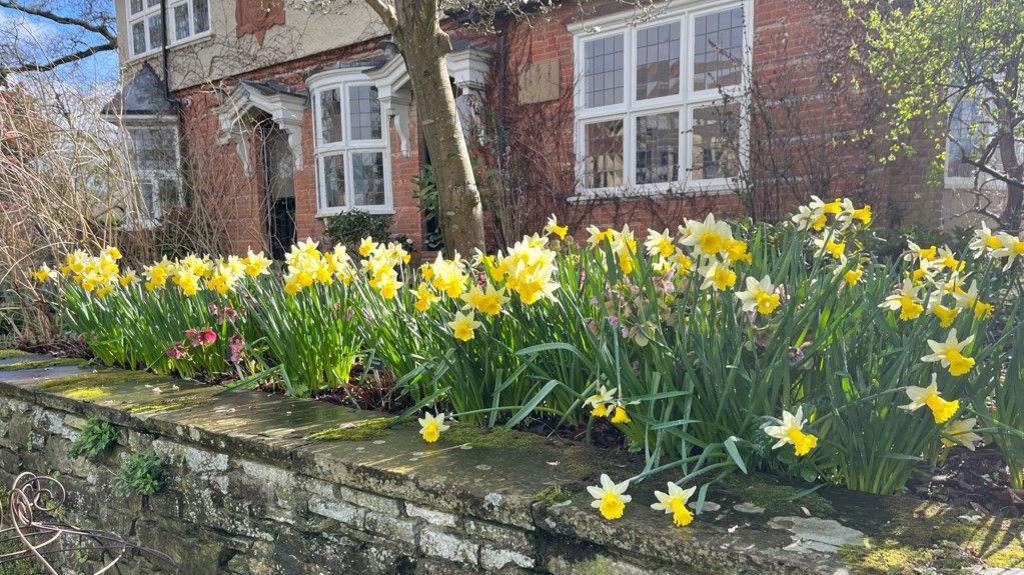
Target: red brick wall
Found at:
810, 135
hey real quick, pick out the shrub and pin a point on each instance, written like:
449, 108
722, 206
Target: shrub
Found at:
350, 227
141, 473
96, 438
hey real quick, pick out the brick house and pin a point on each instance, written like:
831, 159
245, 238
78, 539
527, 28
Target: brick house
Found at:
285, 118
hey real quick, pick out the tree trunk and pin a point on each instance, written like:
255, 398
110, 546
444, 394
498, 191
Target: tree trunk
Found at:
424, 46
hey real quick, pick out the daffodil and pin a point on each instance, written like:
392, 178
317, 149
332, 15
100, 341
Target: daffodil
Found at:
905, 301
366, 246
708, 238
949, 354
852, 276
942, 410
553, 228
947, 258
945, 314
487, 301
659, 244
463, 326
759, 295
718, 276
962, 432
1012, 247
674, 502
969, 299
985, 242
809, 218
609, 498
916, 252
431, 426
736, 251
44, 273
424, 297
827, 245
127, 278
599, 401
256, 264
790, 430
620, 415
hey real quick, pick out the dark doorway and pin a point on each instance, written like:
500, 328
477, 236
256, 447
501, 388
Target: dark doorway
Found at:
279, 186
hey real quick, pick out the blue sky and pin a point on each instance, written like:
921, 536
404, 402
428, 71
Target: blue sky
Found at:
100, 70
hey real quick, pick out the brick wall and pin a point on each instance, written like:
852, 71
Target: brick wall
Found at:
809, 135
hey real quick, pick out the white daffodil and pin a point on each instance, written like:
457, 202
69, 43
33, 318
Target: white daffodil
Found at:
759, 295
1012, 248
707, 238
961, 432
600, 401
807, 218
984, 242
609, 498
790, 431
905, 301
674, 502
949, 353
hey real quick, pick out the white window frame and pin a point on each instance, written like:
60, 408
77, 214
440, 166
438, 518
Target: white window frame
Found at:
683, 103
151, 176
169, 36
342, 80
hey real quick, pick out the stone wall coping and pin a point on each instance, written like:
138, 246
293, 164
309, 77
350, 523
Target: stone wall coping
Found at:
501, 477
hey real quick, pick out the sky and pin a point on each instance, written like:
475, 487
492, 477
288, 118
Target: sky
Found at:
99, 71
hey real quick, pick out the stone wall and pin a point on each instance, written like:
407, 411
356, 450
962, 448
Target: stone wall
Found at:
248, 492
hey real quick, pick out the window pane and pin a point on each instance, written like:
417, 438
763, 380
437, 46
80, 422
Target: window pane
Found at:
138, 37
167, 195
961, 143
148, 192
657, 61
602, 71
364, 112
154, 149
181, 22
334, 181
151, 3
368, 178
603, 161
156, 31
136, 6
715, 142
330, 116
718, 49
201, 9
657, 148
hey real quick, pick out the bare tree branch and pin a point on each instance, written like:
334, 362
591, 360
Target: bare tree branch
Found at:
385, 11
102, 29
66, 59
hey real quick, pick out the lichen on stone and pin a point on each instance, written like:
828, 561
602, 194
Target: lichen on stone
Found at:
42, 363
362, 430
89, 394
552, 494
493, 438
773, 497
166, 404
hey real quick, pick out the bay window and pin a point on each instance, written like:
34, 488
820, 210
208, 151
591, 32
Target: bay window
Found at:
660, 103
187, 19
352, 152
156, 162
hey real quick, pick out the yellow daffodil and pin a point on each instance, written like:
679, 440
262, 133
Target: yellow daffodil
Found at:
620, 415
945, 314
985, 242
915, 252
610, 498
674, 502
127, 278
942, 410
487, 301
424, 297
863, 214
736, 251
554, 229
759, 295
969, 300
827, 245
905, 301
44, 274
1012, 247
808, 218
256, 264
366, 246
949, 354
789, 430
948, 260
961, 432
463, 326
431, 426
852, 276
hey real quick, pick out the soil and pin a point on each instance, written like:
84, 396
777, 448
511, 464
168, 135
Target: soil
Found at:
976, 480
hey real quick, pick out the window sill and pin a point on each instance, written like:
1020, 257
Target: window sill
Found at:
171, 46
717, 188
375, 210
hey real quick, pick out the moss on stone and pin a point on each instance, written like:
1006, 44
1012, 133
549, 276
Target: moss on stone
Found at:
43, 363
9, 353
88, 394
552, 494
105, 378
493, 438
362, 430
167, 404
774, 497
930, 536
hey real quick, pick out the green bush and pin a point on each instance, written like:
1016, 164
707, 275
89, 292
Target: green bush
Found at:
141, 473
97, 437
426, 195
349, 228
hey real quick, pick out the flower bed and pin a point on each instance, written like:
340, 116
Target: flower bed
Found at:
716, 348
